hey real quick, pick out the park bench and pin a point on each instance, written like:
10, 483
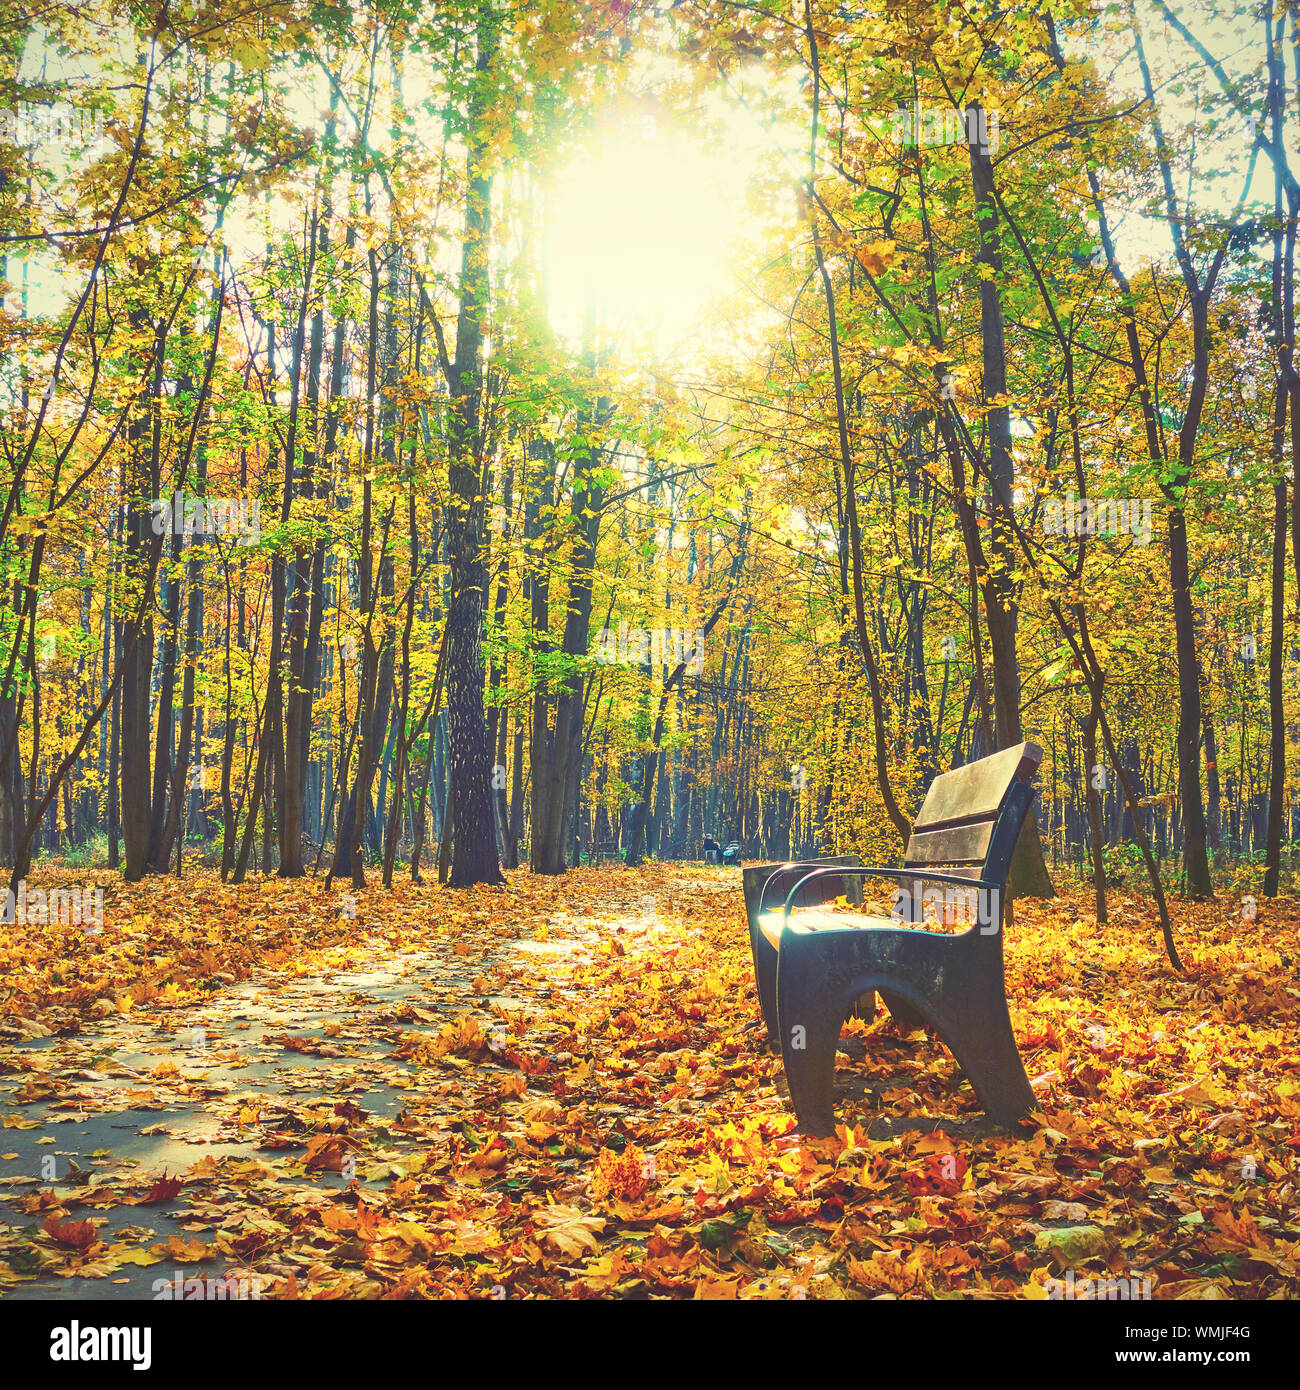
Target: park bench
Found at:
812, 965
602, 849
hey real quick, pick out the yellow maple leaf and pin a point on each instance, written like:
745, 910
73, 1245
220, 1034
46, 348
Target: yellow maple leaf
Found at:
568, 1230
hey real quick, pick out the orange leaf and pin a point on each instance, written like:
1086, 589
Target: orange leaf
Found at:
79, 1234
163, 1189
876, 256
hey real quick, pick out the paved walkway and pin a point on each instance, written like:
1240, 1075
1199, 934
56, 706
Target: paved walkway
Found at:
273, 1093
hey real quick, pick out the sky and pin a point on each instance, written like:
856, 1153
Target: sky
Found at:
648, 224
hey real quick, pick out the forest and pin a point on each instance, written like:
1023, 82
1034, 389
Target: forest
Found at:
314, 519
459, 457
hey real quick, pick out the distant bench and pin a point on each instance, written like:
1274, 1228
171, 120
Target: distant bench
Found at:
811, 966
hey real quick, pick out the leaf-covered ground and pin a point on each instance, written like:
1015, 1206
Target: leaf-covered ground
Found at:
562, 1089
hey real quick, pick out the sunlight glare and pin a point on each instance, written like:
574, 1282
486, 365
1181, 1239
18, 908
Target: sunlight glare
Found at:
641, 231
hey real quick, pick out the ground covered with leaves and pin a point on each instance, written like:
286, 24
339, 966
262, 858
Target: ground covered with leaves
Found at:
563, 1089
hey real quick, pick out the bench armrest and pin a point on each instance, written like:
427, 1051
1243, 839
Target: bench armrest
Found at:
845, 871
784, 870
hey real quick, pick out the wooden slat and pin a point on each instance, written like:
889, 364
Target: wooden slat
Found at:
960, 903
957, 871
975, 791
771, 924
960, 844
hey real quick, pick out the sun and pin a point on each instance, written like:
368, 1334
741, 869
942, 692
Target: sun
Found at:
641, 231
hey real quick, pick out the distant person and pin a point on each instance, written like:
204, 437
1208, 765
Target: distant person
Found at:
712, 850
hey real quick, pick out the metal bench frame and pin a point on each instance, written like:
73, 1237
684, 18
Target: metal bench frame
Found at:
952, 983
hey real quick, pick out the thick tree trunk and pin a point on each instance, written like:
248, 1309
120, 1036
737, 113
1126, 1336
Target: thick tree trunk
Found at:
475, 857
1028, 869
1284, 326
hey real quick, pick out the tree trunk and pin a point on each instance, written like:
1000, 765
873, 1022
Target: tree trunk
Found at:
475, 857
143, 448
1028, 869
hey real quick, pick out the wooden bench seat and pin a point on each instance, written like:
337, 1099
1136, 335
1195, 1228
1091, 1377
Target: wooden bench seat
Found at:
772, 924
814, 964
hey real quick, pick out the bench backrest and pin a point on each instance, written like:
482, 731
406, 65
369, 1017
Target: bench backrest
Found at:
971, 817
967, 827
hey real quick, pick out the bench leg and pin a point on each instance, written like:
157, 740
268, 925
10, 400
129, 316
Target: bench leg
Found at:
904, 1013
765, 967
809, 1018
765, 963
864, 1006
818, 979
984, 1043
